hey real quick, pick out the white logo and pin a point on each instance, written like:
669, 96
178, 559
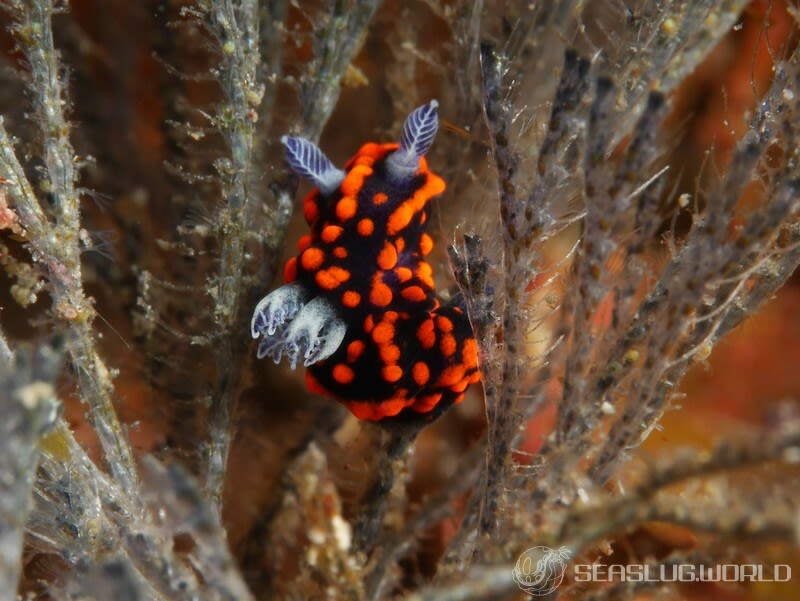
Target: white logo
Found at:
540, 570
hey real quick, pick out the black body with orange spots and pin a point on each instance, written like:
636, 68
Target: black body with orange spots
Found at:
404, 355
359, 308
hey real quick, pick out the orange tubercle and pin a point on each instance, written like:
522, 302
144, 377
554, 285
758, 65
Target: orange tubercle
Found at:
290, 270
426, 334
444, 324
343, 374
420, 373
365, 227
469, 354
425, 244
325, 280
425, 274
403, 274
312, 259
392, 407
415, 294
304, 242
389, 353
380, 295
346, 208
351, 299
330, 233
355, 350
387, 258
355, 179
448, 345
399, 219
383, 333
426, 403
369, 324
392, 373
451, 375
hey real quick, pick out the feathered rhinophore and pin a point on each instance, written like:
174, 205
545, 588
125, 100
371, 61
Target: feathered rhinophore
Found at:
308, 161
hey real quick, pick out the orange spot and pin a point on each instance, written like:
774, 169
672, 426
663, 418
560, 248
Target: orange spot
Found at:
351, 299
475, 378
448, 345
417, 202
389, 353
314, 386
391, 316
383, 333
461, 386
343, 374
403, 274
433, 186
330, 233
426, 334
426, 403
362, 410
423, 218
371, 151
458, 399
392, 407
354, 179
310, 207
421, 373
444, 324
415, 294
369, 324
340, 274
387, 258
365, 227
392, 373
425, 273
304, 242
380, 295
290, 270
346, 208
425, 244
378, 150
400, 244
451, 375
469, 354
365, 160
340, 252
312, 259
325, 280
399, 219
354, 351
380, 198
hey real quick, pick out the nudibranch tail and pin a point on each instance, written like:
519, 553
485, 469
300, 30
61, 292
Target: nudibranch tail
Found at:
419, 130
308, 161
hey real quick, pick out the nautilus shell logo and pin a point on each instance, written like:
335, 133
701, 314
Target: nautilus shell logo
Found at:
540, 570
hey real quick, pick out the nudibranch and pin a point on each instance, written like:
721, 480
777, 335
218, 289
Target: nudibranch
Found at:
359, 307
